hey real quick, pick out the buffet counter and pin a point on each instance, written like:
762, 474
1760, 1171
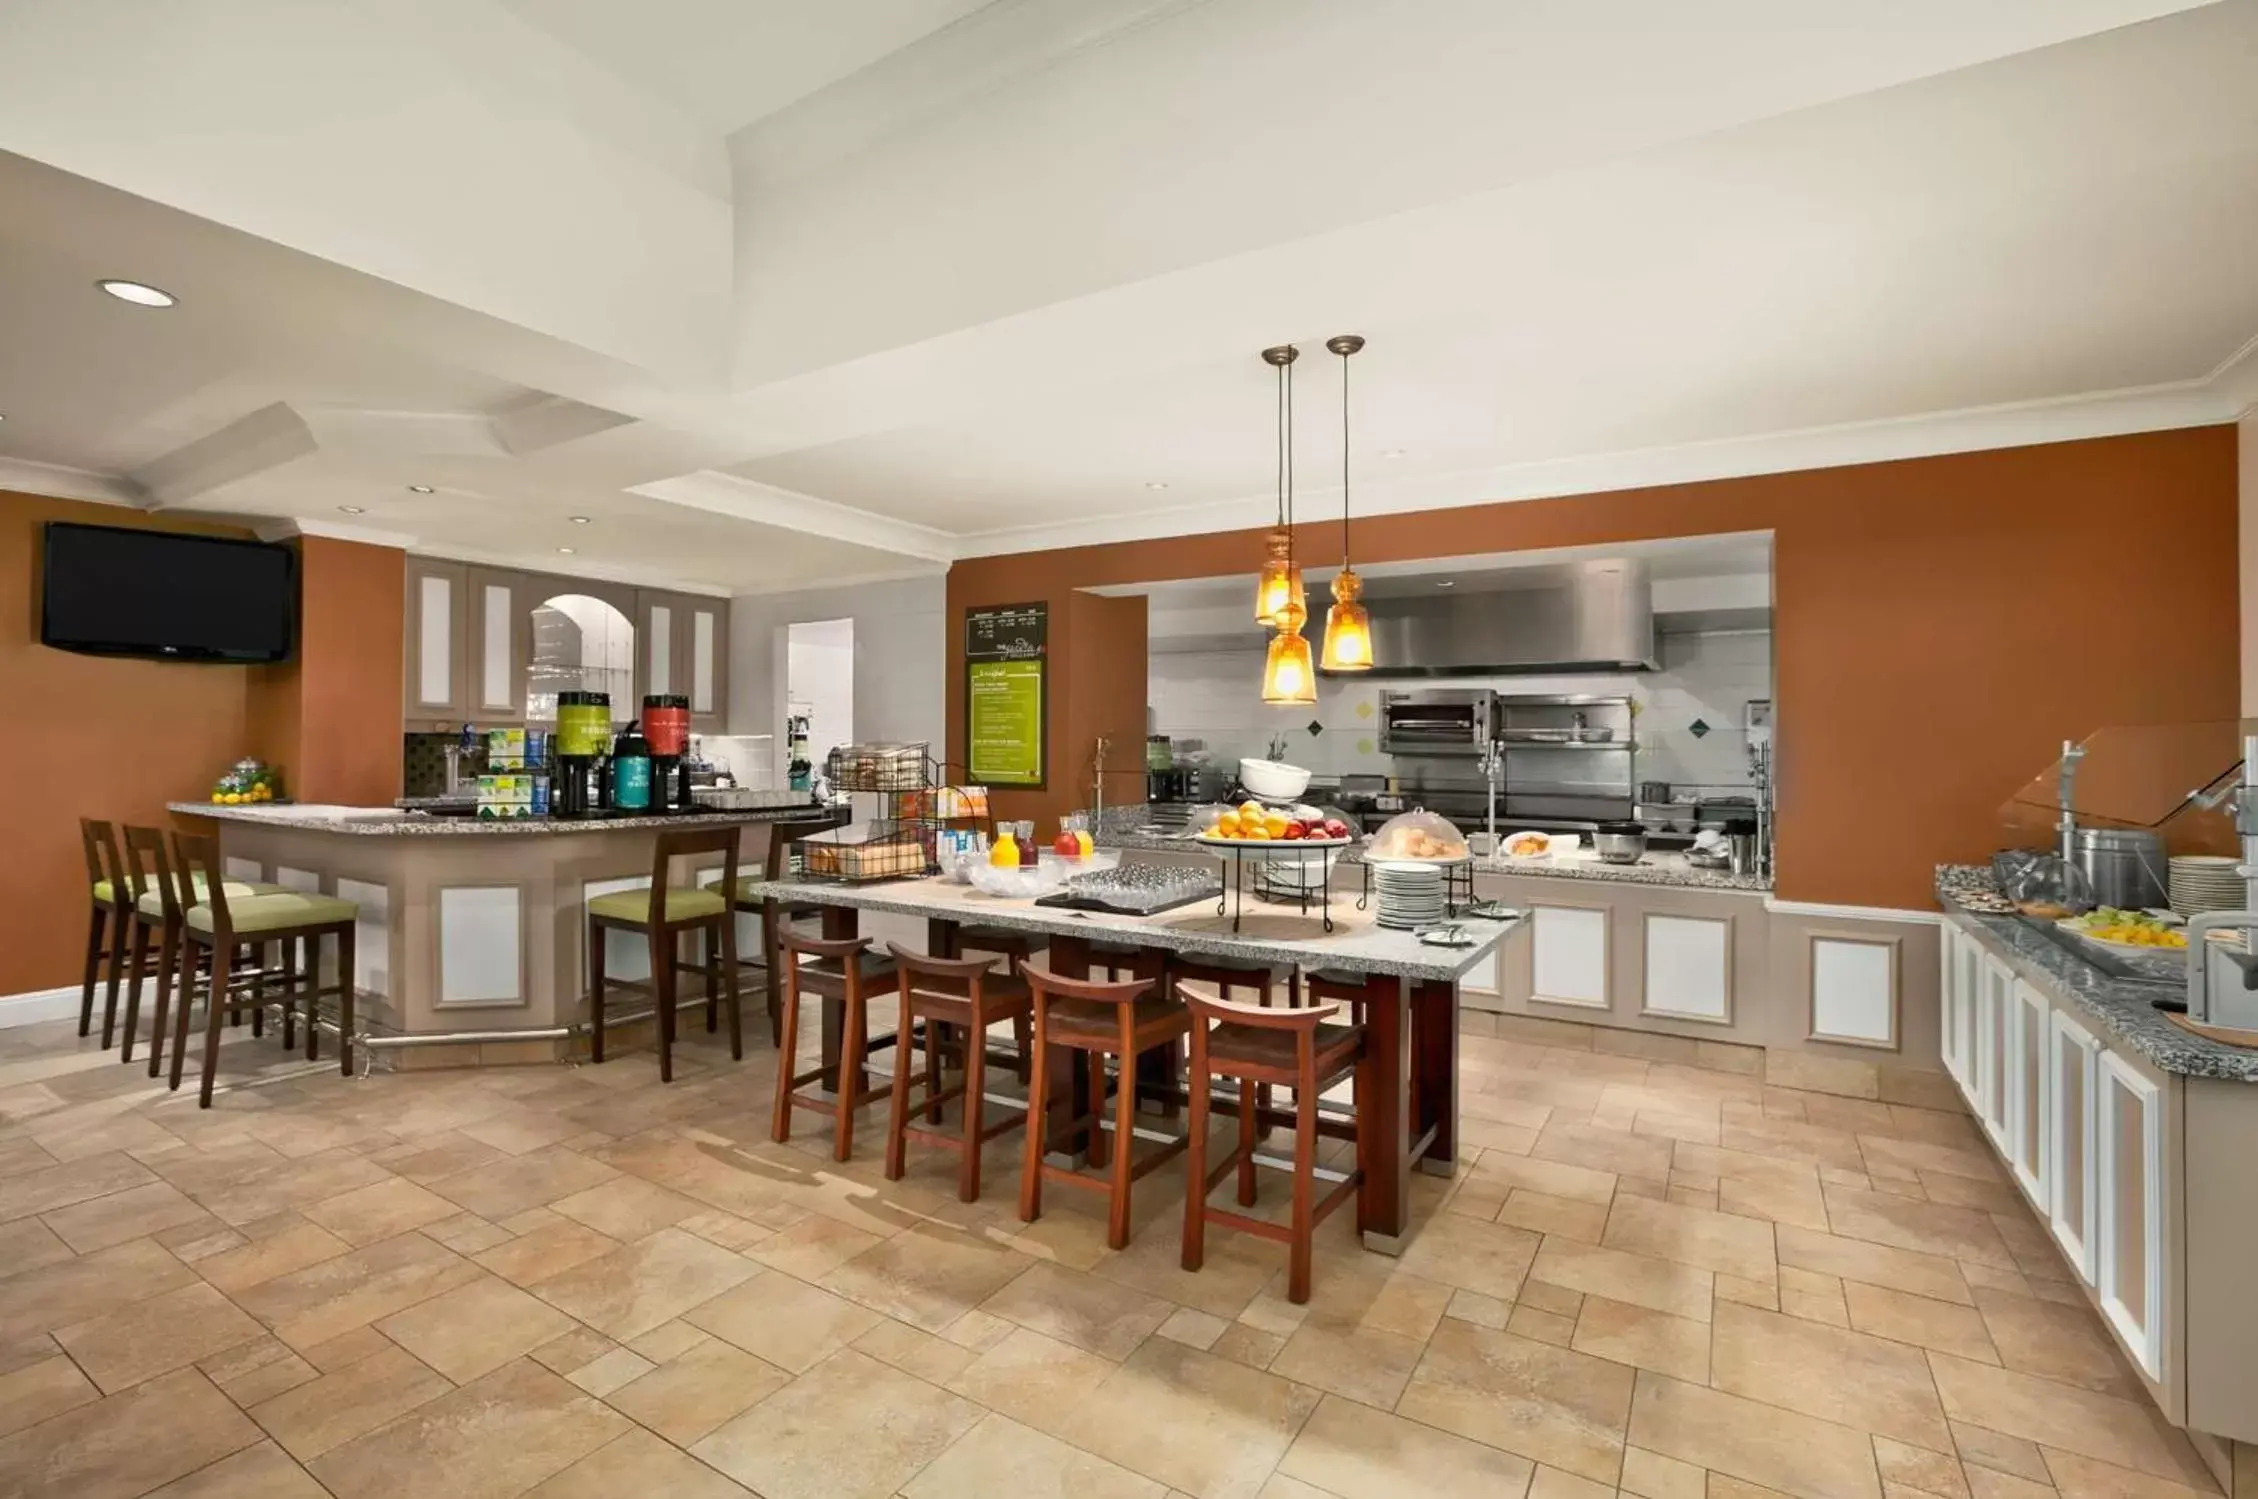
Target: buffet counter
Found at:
472, 927
2129, 1137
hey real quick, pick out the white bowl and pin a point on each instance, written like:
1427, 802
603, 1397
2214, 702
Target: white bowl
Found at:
1273, 780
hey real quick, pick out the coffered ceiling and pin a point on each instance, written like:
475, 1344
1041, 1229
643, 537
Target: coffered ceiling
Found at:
786, 293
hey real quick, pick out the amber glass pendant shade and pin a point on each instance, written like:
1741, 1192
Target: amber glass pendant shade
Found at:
1348, 627
1288, 676
1280, 581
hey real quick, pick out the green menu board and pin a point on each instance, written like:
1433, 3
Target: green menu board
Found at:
1006, 653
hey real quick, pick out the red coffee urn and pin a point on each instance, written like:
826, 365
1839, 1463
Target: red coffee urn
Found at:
666, 724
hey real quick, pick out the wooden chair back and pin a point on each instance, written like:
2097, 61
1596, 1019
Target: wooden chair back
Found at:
1049, 985
199, 854
953, 977
149, 866
100, 842
689, 843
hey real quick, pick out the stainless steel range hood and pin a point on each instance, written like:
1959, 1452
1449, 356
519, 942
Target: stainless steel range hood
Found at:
1583, 616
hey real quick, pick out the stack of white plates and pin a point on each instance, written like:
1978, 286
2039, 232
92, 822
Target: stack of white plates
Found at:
1411, 895
2205, 882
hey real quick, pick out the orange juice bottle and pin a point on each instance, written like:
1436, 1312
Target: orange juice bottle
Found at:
1004, 853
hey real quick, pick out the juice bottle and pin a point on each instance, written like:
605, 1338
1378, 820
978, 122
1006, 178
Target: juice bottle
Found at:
1004, 852
1029, 854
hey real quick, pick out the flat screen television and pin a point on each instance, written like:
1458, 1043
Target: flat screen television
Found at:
113, 591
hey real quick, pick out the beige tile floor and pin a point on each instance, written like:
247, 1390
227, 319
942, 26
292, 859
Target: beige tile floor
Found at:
563, 1282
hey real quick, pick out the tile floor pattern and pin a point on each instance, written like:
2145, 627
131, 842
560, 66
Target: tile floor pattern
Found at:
568, 1283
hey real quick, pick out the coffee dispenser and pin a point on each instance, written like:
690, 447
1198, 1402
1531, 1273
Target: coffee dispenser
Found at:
666, 726
584, 736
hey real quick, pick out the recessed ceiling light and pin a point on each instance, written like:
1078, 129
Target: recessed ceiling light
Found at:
352, 509
1395, 453
138, 294
1156, 484
1447, 583
567, 551
419, 489
578, 520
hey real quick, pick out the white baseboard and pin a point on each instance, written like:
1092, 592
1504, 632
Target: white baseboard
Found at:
1828, 912
39, 1005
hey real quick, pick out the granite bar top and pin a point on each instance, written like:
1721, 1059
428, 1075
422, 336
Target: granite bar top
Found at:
1654, 869
1278, 935
394, 822
2122, 1009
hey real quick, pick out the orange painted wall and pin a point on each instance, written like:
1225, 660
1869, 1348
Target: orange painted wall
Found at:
1941, 625
88, 736
117, 739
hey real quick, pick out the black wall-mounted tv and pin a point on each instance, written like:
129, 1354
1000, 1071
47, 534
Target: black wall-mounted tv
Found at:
113, 591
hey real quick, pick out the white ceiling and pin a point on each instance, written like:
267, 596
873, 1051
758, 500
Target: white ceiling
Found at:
784, 293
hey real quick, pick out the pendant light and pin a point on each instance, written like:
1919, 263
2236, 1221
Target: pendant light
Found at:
1348, 627
1287, 675
1281, 575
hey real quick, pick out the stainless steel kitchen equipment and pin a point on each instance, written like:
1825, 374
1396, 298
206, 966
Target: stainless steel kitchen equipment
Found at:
1553, 617
1571, 760
1454, 722
1619, 842
2125, 866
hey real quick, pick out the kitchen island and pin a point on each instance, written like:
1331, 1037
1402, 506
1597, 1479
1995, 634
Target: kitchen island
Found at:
473, 928
1410, 999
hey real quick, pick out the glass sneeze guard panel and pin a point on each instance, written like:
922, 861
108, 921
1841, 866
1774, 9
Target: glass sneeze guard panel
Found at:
2140, 776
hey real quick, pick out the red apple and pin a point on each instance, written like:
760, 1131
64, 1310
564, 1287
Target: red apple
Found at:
1335, 828
1294, 830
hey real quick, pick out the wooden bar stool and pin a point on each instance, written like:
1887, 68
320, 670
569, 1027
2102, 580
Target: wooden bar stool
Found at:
1121, 1020
219, 924
969, 995
1257, 1045
1017, 948
832, 969
160, 893
1259, 979
775, 916
112, 908
664, 914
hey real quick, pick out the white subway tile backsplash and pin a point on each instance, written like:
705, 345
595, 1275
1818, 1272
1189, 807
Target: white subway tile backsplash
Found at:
1216, 696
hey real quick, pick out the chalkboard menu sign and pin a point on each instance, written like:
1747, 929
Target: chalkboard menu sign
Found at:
1006, 658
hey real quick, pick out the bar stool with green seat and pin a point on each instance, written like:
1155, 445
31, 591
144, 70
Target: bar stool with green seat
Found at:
148, 871
113, 908
663, 914
222, 922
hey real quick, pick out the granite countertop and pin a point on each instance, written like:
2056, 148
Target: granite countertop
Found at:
394, 822
1277, 935
1654, 869
2122, 1009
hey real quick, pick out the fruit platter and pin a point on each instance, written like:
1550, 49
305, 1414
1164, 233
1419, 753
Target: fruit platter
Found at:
1252, 825
2130, 930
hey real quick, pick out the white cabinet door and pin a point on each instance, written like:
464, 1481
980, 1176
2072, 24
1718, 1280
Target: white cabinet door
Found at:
1568, 956
1689, 967
437, 611
2029, 1088
2072, 1062
1948, 1008
706, 643
1994, 996
2129, 1203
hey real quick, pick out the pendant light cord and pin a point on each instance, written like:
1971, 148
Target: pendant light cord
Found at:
1344, 462
1289, 459
1278, 423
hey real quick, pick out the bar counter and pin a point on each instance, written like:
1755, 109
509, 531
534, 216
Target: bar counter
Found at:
470, 927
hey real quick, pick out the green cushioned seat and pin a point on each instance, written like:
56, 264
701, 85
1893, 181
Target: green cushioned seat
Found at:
152, 905
102, 889
267, 913
681, 904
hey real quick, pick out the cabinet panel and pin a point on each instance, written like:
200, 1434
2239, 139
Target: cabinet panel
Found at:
1993, 999
437, 611
2129, 1219
707, 652
500, 644
658, 648
1854, 990
2072, 1063
1568, 955
2029, 1085
1689, 968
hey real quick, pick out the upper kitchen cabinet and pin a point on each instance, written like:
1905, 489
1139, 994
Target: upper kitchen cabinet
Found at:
499, 643
682, 648
436, 681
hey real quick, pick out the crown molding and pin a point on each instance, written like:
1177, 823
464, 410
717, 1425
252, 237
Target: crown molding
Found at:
2194, 403
765, 504
312, 525
57, 482
546, 565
